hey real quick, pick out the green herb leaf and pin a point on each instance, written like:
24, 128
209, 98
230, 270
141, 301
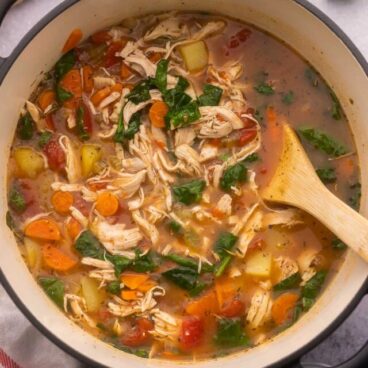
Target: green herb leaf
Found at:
322, 141
133, 126
16, 200
161, 75
144, 263
120, 263
188, 262
185, 278
230, 333
312, 76
264, 89
54, 288
65, 63
354, 200
311, 289
44, 138
88, 245
82, 132
190, 192
233, 175
25, 127
338, 244
224, 243
191, 238
140, 92
251, 158
175, 228
336, 110
138, 352
288, 98
211, 95
63, 95
222, 265
224, 157
183, 116
290, 282
113, 287
327, 175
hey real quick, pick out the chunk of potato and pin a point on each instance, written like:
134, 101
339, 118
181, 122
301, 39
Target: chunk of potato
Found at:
29, 162
195, 55
91, 154
33, 254
91, 294
259, 264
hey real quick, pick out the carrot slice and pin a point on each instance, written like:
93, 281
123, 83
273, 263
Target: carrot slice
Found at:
46, 98
72, 83
155, 56
282, 306
227, 288
62, 201
56, 259
133, 280
107, 203
87, 72
125, 71
73, 227
44, 229
147, 285
206, 304
345, 167
157, 114
100, 95
72, 41
129, 294
117, 87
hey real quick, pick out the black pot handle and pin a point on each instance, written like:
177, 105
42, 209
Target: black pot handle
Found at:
4, 7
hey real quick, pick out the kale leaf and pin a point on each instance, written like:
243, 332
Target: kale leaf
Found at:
161, 75
264, 89
44, 138
143, 263
188, 262
311, 289
140, 92
327, 175
65, 63
211, 95
230, 333
233, 175
16, 200
62, 94
224, 243
190, 192
25, 127
54, 288
89, 246
183, 116
290, 282
185, 278
113, 287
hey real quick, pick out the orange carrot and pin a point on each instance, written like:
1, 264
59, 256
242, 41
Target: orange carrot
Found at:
157, 114
345, 167
133, 280
206, 304
129, 294
100, 95
72, 41
155, 56
217, 213
46, 98
73, 227
87, 72
125, 71
44, 229
107, 203
72, 83
274, 128
62, 201
56, 259
282, 306
147, 285
227, 288
117, 87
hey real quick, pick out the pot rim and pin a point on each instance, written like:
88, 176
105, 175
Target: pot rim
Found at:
5, 66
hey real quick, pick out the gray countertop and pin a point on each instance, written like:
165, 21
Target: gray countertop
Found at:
352, 17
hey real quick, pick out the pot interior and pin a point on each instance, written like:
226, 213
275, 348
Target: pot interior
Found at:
288, 21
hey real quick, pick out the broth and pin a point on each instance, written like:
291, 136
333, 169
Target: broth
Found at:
134, 185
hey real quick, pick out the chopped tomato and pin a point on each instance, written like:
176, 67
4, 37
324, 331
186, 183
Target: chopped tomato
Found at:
191, 332
100, 37
139, 334
246, 136
55, 155
110, 58
235, 308
243, 34
215, 142
263, 170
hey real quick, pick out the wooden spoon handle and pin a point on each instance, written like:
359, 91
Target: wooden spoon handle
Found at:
347, 224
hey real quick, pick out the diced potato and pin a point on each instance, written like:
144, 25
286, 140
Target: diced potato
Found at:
29, 162
33, 254
92, 295
91, 154
259, 264
195, 55
276, 238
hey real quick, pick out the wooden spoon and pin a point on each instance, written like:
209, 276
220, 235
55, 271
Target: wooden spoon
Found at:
296, 183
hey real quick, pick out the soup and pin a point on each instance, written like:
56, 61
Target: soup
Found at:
134, 181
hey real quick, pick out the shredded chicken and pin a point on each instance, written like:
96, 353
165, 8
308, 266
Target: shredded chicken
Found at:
260, 309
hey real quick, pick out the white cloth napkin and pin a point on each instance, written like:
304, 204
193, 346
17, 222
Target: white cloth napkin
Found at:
18, 338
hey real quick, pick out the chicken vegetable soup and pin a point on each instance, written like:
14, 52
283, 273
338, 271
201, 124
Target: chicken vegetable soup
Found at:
134, 180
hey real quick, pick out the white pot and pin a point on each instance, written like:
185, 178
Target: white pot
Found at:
297, 23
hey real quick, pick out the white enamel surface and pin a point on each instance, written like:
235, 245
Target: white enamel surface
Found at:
283, 18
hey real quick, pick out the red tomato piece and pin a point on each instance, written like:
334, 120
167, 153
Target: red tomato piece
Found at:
110, 58
191, 332
100, 37
235, 308
243, 35
233, 43
246, 136
139, 335
55, 155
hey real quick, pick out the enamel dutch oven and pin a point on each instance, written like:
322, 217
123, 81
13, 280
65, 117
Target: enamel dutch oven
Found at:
301, 26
